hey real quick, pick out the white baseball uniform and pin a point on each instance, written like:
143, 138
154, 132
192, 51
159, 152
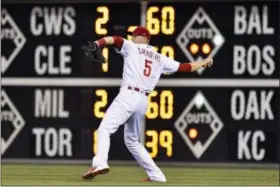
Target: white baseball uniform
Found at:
142, 69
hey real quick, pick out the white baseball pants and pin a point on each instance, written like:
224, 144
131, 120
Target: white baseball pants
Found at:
128, 108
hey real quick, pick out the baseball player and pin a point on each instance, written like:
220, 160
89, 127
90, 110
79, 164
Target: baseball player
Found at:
142, 69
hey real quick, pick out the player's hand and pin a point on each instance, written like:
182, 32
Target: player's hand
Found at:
208, 62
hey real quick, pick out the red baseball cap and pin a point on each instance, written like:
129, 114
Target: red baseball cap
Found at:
141, 31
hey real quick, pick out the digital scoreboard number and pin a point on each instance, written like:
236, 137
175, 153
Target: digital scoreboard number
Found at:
164, 24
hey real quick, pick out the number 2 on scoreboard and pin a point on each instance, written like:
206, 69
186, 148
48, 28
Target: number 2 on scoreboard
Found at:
148, 68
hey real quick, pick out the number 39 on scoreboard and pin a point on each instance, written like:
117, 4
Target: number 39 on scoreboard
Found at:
161, 139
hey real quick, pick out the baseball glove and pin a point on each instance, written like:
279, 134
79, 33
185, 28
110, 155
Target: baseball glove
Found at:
93, 52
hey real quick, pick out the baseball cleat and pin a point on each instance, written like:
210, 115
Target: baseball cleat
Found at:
150, 180
93, 172
147, 180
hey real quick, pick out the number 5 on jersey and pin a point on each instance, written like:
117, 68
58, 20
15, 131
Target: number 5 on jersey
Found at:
148, 68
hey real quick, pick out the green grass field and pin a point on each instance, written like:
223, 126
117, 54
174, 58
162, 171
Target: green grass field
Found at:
130, 175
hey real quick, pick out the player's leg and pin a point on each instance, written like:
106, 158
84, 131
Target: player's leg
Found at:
117, 114
132, 131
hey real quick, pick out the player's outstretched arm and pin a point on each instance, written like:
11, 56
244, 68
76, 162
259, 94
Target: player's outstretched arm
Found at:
194, 66
110, 40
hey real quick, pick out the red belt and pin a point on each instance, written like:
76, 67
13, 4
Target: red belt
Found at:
137, 90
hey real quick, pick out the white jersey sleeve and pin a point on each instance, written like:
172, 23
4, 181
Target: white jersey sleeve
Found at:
126, 47
169, 65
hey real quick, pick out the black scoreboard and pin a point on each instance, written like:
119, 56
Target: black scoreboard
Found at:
53, 99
